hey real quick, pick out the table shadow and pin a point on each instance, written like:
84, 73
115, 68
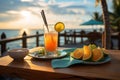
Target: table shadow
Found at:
41, 62
19, 63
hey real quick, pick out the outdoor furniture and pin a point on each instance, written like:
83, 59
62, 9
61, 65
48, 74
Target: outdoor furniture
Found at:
32, 69
93, 36
92, 22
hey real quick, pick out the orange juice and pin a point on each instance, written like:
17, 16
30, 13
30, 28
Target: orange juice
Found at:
51, 41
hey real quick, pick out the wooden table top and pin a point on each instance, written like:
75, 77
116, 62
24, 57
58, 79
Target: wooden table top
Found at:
41, 69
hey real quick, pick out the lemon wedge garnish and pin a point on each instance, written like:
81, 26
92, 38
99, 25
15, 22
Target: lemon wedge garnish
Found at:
59, 26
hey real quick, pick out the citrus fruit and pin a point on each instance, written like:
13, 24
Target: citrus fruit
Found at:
92, 46
105, 52
97, 54
87, 53
77, 53
59, 26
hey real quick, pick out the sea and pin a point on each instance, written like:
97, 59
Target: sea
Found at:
12, 33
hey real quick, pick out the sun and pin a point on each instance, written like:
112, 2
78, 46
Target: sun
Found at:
25, 14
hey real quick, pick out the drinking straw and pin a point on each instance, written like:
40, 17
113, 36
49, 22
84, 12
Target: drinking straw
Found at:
44, 19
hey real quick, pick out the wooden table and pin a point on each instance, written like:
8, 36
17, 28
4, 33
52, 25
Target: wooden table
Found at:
32, 69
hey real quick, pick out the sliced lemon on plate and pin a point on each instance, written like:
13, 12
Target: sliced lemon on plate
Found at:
59, 26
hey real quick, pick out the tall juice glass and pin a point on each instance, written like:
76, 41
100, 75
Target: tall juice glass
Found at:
50, 41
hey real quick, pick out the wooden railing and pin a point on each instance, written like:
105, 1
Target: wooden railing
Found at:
92, 36
23, 38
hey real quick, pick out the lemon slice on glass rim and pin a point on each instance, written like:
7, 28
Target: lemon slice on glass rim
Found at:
59, 26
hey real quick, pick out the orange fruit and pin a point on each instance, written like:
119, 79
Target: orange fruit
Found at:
87, 53
97, 54
77, 53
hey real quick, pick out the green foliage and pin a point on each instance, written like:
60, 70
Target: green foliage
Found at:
96, 16
115, 15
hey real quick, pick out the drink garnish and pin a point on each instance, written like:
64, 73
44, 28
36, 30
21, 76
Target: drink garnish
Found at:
59, 26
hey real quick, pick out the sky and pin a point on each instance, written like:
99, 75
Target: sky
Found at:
17, 14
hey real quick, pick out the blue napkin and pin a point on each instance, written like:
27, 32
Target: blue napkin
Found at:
65, 62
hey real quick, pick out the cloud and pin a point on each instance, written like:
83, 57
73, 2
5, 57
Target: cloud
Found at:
68, 11
9, 16
27, 0
7, 5
52, 6
62, 8
71, 5
11, 8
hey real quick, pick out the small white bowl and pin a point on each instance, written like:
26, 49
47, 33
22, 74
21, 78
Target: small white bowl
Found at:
18, 54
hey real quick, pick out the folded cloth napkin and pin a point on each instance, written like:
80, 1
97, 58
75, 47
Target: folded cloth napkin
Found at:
68, 61
65, 62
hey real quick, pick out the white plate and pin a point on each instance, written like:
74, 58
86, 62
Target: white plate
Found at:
60, 55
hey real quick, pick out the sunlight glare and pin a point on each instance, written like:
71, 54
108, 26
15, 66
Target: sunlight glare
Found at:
24, 30
26, 14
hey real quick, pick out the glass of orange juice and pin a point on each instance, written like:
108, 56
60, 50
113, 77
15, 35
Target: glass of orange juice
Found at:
50, 40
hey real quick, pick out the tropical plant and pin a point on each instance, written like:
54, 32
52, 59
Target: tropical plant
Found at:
116, 13
96, 16
107, 35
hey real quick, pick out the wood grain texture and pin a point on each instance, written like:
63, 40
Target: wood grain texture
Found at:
41, 69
